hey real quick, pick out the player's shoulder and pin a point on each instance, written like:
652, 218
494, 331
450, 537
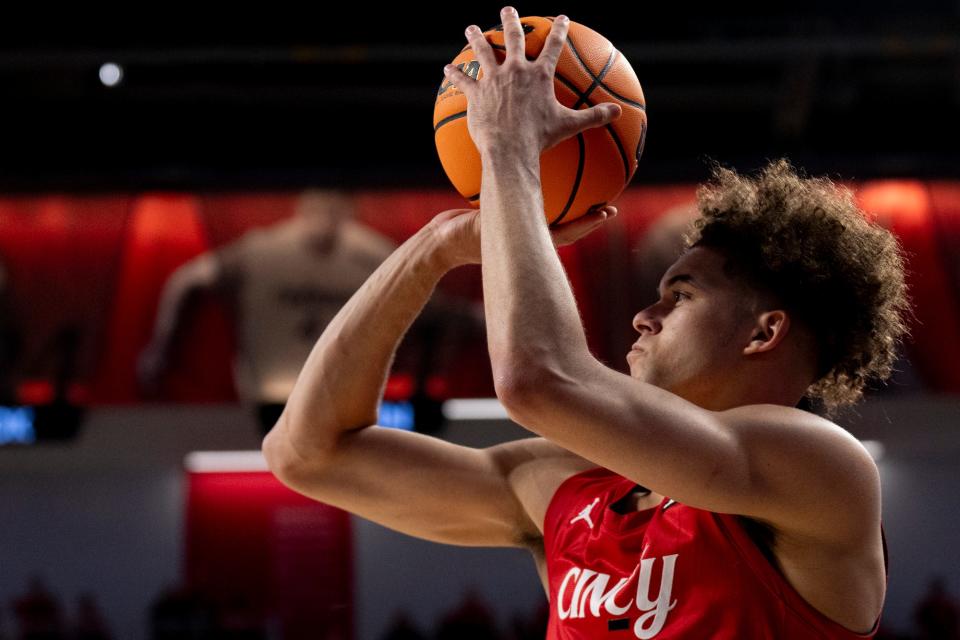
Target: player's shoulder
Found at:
786, 421
244, 246
535, 468
806, 466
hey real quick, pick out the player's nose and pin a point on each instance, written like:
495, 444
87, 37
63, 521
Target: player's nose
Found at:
646, 321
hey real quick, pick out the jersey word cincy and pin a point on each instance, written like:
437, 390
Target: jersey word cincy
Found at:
584, 591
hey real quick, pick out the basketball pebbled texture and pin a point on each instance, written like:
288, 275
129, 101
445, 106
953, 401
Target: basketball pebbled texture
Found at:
581, 173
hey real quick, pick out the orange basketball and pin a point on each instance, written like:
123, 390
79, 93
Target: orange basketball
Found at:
581, 173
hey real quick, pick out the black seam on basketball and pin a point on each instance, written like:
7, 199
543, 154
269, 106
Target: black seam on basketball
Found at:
623, 153
576, 54
455, 116
596, 81
582, 98
610, 129
569, 85
643, 141
616, 95
576, 182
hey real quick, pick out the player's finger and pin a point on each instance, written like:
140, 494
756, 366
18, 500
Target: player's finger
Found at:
570, 232
462, 81
482, 50
513, 34
595, 116
554, 43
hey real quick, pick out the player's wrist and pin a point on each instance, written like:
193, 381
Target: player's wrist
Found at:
437, 253
496, 150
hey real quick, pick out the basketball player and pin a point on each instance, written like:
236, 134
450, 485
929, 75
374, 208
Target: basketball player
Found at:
307, 266
688, 499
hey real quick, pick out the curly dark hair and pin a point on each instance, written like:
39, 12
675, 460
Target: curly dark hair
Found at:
805, 242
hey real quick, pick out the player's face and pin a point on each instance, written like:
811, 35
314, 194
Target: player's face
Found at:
323, 211
693, 336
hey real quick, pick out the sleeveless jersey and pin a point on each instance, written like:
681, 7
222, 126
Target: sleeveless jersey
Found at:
668, 572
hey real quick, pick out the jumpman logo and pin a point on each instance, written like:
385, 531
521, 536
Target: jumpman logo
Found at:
585, 514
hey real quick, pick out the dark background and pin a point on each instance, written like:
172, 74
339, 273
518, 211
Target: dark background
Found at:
269, 97
227, 109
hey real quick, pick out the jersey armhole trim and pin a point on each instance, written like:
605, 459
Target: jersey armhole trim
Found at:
809, 609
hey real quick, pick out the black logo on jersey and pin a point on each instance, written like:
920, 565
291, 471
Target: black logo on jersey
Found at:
623, 624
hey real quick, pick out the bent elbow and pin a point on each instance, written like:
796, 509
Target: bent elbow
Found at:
283, 457
521, 391
277, 455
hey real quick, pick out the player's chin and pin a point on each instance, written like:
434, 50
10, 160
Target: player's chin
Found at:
634, 358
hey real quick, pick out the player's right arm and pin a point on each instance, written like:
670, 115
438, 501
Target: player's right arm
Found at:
326, 445
424, 486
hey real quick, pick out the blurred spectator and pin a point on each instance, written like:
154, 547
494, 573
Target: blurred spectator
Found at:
181, 614
533, 627
936, 614
89, 623
38, 613
472, 620
403, 628
283, 284
238, 621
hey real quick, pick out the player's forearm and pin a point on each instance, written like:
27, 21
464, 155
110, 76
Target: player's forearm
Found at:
531, 314
341, 384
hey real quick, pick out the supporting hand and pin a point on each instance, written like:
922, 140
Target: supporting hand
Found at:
459, 232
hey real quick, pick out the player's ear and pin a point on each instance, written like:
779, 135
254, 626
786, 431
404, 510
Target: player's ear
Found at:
769, 330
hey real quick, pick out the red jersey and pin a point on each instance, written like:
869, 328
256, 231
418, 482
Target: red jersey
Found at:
668, 572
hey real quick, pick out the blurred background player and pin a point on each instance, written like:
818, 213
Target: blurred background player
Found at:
282, 283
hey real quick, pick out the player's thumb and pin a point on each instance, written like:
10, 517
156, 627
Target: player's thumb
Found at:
597, 116
576, 121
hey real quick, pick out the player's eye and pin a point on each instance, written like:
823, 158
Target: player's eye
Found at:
678, 295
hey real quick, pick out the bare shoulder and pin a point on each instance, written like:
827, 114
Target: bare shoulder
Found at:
535, 468
816, 488
811, 477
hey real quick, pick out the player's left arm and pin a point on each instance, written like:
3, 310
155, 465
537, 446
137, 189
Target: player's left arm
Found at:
787, 467
784, 466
